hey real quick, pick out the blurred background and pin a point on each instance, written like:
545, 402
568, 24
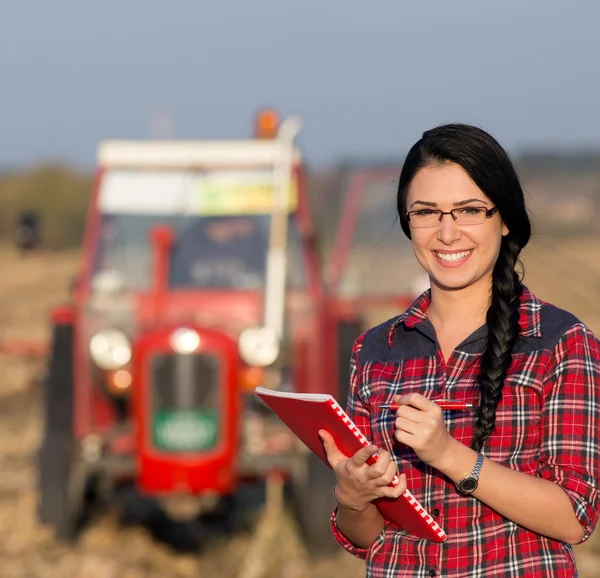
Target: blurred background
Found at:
365, 78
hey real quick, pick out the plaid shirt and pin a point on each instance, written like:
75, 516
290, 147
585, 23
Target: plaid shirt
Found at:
547, 425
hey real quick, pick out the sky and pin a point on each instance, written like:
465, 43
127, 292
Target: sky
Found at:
366, 78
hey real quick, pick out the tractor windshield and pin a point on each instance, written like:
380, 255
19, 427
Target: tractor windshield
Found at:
221, 228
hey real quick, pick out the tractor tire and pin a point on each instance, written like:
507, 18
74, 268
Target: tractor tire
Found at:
55, 456
315, 502
58, 401
64, 487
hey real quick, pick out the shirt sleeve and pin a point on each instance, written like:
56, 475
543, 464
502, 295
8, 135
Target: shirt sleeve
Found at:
360, 415
570, 425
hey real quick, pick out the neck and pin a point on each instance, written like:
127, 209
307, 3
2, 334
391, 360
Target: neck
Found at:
465, 307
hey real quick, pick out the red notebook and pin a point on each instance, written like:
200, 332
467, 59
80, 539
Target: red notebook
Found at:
305, 414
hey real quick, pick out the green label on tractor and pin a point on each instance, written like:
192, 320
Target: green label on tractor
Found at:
185, 431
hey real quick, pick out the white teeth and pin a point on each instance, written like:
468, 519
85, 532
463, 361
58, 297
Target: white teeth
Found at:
452, 257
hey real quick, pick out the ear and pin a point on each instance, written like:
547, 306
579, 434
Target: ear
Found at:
504, 230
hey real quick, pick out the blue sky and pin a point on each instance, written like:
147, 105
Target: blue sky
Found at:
366, 77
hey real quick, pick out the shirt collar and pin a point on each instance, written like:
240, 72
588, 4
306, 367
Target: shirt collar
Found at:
529, 319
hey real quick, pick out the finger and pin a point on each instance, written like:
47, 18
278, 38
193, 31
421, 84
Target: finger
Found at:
380, 466
387, 476
334, 456
410, 413
407, 426
405, 438
362, 456
417, 401
394, 492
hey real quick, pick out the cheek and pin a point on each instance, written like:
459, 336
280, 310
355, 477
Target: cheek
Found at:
497, 250
421, 239
490, 243
419, 245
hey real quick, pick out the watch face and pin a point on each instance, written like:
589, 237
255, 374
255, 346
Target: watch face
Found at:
469, 485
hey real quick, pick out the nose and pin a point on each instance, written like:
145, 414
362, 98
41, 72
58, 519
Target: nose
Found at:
448, 231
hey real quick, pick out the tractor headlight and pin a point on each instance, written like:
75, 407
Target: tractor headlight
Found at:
185, 341
110, 349
259, 346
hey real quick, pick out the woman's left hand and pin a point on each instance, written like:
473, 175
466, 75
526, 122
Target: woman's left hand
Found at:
420, 425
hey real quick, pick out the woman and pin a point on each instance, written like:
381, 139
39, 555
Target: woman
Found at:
514, 481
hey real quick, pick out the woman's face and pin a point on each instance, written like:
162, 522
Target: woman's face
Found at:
455, 256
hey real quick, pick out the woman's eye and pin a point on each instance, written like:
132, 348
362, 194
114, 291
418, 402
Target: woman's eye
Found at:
471, 211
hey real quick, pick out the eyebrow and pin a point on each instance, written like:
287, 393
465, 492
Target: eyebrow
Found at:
459, 204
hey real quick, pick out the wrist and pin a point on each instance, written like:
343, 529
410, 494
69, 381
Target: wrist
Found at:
367, 509
346, 503
451, 459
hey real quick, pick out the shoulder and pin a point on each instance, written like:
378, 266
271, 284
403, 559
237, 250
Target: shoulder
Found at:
375, 339
390, 341
572, 348
556, 322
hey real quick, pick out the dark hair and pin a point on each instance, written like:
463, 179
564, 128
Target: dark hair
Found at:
487, 163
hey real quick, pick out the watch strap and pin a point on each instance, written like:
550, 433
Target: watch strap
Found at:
469, 484
477, 468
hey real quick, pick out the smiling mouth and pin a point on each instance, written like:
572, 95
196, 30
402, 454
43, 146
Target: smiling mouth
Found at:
453, 257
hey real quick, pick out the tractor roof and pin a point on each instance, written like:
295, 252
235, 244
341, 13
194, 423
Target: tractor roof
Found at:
189, 154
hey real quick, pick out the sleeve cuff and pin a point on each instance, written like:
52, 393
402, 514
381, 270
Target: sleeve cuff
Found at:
581, 496
344, 542
580, 507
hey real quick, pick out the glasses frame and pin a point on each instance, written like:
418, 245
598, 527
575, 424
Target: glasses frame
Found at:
488, 213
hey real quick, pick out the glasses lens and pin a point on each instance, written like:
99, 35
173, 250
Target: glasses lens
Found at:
470, 215
419, 219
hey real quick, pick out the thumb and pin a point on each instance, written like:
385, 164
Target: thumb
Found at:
334, 455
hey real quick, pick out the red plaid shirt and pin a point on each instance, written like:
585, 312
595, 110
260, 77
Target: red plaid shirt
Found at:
547, 425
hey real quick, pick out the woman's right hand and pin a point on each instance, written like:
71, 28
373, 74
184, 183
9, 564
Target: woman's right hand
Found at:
359, 483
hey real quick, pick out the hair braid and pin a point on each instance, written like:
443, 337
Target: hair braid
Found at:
503, 330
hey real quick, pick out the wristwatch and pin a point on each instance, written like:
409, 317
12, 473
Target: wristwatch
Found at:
469, 484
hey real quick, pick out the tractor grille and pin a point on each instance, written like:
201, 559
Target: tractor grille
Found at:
185, 402
185, 382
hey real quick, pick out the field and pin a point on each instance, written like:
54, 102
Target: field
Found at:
565, 272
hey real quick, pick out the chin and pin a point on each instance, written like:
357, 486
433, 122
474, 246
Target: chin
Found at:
451, 286
452, 282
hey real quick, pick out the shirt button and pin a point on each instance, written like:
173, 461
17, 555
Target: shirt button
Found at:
432, 573
436, 512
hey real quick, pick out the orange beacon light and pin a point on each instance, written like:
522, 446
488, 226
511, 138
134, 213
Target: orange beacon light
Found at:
266, 124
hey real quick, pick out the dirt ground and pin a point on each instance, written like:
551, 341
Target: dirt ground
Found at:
563, 272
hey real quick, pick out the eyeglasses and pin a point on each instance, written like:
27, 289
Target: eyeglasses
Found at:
462, 216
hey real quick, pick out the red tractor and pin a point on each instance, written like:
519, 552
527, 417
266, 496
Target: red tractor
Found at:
199, 280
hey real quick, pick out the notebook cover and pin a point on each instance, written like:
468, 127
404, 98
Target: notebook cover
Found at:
306, 418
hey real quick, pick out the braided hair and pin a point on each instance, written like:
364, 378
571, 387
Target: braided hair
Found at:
490, 168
